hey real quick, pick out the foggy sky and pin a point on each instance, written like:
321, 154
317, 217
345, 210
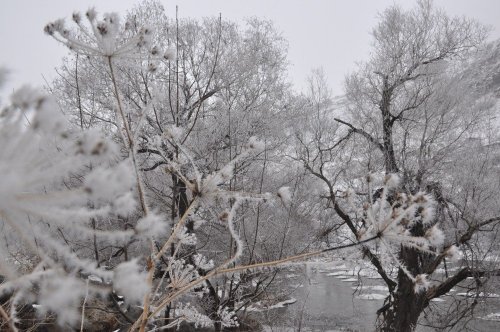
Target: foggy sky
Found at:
332, 34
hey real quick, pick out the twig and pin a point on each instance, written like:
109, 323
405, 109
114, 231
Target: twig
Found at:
7, 319
83, 305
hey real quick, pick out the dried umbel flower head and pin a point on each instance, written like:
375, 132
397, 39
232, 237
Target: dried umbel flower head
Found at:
391, 214
181, 273
170, 54
77, 17
103, 37
435, 236
36, 157
391, 181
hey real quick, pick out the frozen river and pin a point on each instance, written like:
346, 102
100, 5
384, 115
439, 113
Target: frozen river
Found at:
331, 297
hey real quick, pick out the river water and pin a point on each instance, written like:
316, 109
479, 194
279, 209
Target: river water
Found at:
334, 297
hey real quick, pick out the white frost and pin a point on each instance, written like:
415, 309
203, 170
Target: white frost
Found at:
151, 225
285, 195
130, 282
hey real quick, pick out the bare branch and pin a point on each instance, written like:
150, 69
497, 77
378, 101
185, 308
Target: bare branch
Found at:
363, 133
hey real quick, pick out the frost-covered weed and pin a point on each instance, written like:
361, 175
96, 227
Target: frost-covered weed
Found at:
187, 313
56, 180
103, 37
227, 318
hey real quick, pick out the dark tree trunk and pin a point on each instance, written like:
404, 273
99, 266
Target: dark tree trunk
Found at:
401, 315
389, 156
180, 207
387, 124
406, 305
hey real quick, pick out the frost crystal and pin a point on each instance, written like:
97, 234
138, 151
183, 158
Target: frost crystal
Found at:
130, 282
181, 274
435, 236
255, 144
61, 295
151, 225
392, 181
105, 183
227, 318
201, 262
170, 54
285, 195
191, 315
174, 132
125, 204
186, 238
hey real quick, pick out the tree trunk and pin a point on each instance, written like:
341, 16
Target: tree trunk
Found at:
401, 315
387, 124
389, 157
402, 312
180, 207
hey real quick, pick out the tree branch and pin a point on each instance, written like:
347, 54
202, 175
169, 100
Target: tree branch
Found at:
146, 150
451, 282
363, 133
159, 163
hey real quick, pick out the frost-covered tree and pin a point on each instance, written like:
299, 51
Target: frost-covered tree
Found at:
185, 100
152, 205
414, 109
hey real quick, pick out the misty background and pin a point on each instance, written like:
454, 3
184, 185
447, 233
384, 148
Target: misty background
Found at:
332, 34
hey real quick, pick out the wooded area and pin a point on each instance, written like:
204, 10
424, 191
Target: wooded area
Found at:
171, 174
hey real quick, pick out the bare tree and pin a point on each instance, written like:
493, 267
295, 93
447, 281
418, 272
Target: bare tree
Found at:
218, 85
418, 118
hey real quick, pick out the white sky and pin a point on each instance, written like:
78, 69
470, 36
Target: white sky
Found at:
332, 34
